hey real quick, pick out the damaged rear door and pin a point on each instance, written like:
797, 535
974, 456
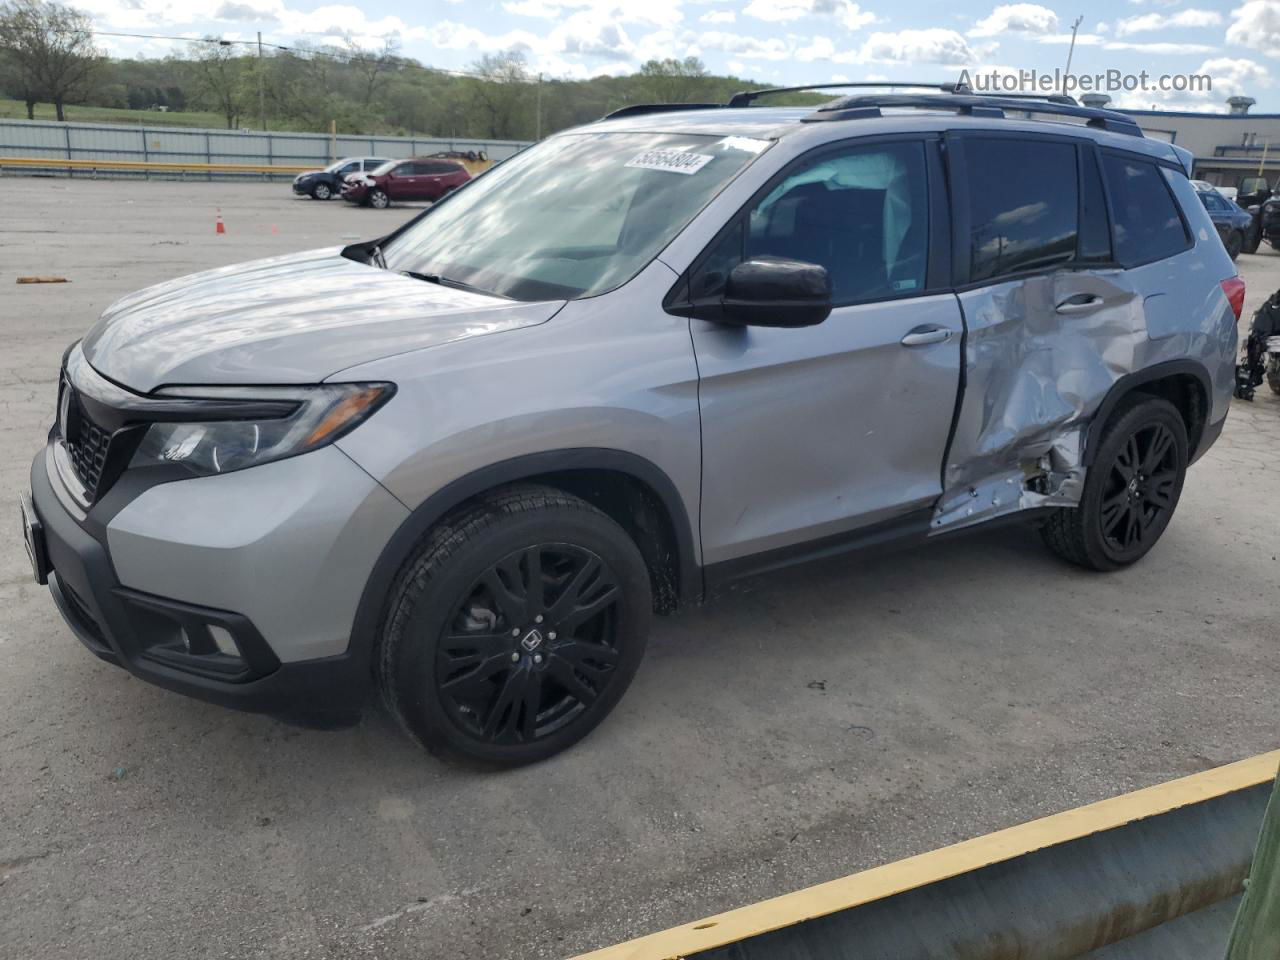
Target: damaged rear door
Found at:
1051, 321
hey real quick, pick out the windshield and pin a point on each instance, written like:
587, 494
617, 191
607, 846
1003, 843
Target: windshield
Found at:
573, 216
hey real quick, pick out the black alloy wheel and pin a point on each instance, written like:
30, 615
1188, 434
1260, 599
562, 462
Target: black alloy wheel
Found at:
532, 644
1131, 489
515, 627
1142, 483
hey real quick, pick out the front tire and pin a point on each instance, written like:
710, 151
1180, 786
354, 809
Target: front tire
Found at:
379, 200
1273, 373
321, 191
515, 628
1235, 243
1131, 491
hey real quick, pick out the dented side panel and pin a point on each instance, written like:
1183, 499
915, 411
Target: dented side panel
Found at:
1036, 375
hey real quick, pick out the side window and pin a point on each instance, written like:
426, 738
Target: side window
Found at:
404, 170
1023, 199
862, 213
348, 168
1213, 202
1147, 225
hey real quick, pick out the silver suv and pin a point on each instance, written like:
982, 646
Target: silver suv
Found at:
465, 463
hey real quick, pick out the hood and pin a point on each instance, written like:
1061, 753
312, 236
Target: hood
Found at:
294, 319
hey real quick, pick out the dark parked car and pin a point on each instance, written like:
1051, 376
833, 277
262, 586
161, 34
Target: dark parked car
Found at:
327, 183
1232, 222
419, 178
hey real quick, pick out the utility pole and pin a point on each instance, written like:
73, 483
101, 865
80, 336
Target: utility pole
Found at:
262, 97
1072, 49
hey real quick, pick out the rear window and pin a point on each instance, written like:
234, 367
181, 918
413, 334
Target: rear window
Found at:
1146, 221
1023, 198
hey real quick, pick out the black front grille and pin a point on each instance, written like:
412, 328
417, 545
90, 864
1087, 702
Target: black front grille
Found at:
88, 442
88, 453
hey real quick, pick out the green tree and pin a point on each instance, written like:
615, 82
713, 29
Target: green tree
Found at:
222, 78
52, 49
675, 81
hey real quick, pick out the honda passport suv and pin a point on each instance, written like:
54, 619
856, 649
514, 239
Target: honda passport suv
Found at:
464, 464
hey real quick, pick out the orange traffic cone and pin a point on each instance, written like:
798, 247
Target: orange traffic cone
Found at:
219, 227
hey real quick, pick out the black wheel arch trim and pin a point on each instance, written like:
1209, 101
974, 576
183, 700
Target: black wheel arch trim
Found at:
1133, 382
364, 631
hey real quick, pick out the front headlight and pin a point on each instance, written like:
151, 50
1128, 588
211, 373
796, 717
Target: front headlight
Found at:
277, 422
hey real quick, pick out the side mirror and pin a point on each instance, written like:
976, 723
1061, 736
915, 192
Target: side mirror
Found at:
775, 292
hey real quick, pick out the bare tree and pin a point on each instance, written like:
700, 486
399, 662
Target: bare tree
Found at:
52, 47
373, 68
17, 80
674, 81
222, 77
498, 90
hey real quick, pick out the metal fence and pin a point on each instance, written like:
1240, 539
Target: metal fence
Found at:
108, 141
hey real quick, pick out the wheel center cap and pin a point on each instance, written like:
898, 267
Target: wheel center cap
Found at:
1133, 486
532, 640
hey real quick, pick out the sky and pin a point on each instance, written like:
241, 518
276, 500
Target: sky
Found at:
772, 41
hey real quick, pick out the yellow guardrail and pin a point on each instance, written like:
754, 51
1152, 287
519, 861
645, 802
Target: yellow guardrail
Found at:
145, 165
158, 165
474, 167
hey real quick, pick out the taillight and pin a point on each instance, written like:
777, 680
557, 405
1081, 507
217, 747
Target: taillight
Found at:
1233, 287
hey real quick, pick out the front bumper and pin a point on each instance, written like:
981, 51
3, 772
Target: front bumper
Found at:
144, 633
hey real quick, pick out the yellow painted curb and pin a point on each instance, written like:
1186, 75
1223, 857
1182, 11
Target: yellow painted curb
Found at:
926, 868
158, 165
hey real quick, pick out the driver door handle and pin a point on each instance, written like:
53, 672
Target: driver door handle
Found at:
923, 336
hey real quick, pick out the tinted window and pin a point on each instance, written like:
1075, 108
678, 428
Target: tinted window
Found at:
1147, 225
348, 168
1023, 205
862, 214
437, 167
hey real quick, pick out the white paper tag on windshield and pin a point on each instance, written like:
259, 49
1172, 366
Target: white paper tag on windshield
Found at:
671, 161
749, 144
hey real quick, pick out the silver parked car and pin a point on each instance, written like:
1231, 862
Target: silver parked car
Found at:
465, 463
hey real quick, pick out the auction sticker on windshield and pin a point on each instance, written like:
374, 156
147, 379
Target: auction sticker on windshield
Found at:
671, 161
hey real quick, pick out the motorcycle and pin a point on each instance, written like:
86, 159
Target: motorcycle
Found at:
1261, 351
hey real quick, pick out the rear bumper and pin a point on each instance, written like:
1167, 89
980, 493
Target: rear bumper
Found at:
143, 633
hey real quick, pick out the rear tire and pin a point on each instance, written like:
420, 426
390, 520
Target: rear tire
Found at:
1131, 491
515, 628
379, 200
1235, 243
1273, 374
1252, 238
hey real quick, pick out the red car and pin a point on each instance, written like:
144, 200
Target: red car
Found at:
419, 178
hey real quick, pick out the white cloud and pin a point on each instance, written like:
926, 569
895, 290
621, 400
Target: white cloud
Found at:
1256, 24
1159, 21
1016, 18
719, 16
745, 47
934, 45
1170, 49
821, 48
1082, 39
658, 13
846, 13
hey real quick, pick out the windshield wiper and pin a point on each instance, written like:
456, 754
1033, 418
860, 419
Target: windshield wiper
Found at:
442, 280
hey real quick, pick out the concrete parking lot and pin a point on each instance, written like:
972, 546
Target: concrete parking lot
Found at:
815, 722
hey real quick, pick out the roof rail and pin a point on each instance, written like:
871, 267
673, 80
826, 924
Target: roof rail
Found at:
746, 97
977, 105
636, 109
